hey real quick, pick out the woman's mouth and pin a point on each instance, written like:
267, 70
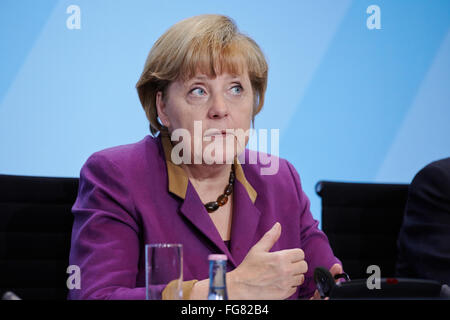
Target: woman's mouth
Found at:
216, 133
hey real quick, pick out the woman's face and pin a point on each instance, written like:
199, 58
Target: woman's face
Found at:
216, 111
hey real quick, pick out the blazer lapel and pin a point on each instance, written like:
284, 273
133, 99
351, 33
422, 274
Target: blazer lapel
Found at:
194, 210
245, 222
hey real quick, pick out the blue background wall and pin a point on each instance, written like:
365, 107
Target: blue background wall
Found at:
351, 104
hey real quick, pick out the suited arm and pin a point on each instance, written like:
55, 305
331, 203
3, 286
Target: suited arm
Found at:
318, 252
105, 243
424, 250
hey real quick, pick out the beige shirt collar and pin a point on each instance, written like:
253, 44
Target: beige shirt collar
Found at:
178, 181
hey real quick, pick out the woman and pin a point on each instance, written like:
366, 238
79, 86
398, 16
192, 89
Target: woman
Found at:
202, 79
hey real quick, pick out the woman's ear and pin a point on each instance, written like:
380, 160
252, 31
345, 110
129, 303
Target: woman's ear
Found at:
161, 109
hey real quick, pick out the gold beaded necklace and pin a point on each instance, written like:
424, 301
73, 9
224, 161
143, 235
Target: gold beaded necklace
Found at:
223, 198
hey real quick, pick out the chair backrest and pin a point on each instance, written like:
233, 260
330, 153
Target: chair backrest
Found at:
362, 222
35, 230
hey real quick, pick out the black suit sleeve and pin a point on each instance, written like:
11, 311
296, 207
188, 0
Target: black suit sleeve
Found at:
424, 239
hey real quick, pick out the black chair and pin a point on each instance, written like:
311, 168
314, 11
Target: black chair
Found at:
35, 230
362, 222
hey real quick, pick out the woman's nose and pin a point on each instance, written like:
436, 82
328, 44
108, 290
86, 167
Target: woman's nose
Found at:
218, 108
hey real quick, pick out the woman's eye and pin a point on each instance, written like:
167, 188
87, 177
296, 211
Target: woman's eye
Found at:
236, 90
198, 92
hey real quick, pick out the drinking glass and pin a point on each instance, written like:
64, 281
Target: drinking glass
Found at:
163, 271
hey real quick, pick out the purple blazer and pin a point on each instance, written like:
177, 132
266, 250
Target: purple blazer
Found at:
124, 202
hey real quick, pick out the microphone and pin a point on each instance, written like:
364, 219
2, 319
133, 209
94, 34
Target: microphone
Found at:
324, 281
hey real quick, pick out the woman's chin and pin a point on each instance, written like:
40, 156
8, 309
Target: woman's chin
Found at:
219, 159
219, 152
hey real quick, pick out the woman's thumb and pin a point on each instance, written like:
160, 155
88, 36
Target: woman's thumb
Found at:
269, 238
336, 269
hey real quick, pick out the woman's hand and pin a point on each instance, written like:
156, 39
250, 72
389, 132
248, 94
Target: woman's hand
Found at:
268, 275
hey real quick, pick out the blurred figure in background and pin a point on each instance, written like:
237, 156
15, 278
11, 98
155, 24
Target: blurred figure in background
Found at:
424, 239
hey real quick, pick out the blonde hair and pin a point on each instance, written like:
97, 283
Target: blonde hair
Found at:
208, 43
